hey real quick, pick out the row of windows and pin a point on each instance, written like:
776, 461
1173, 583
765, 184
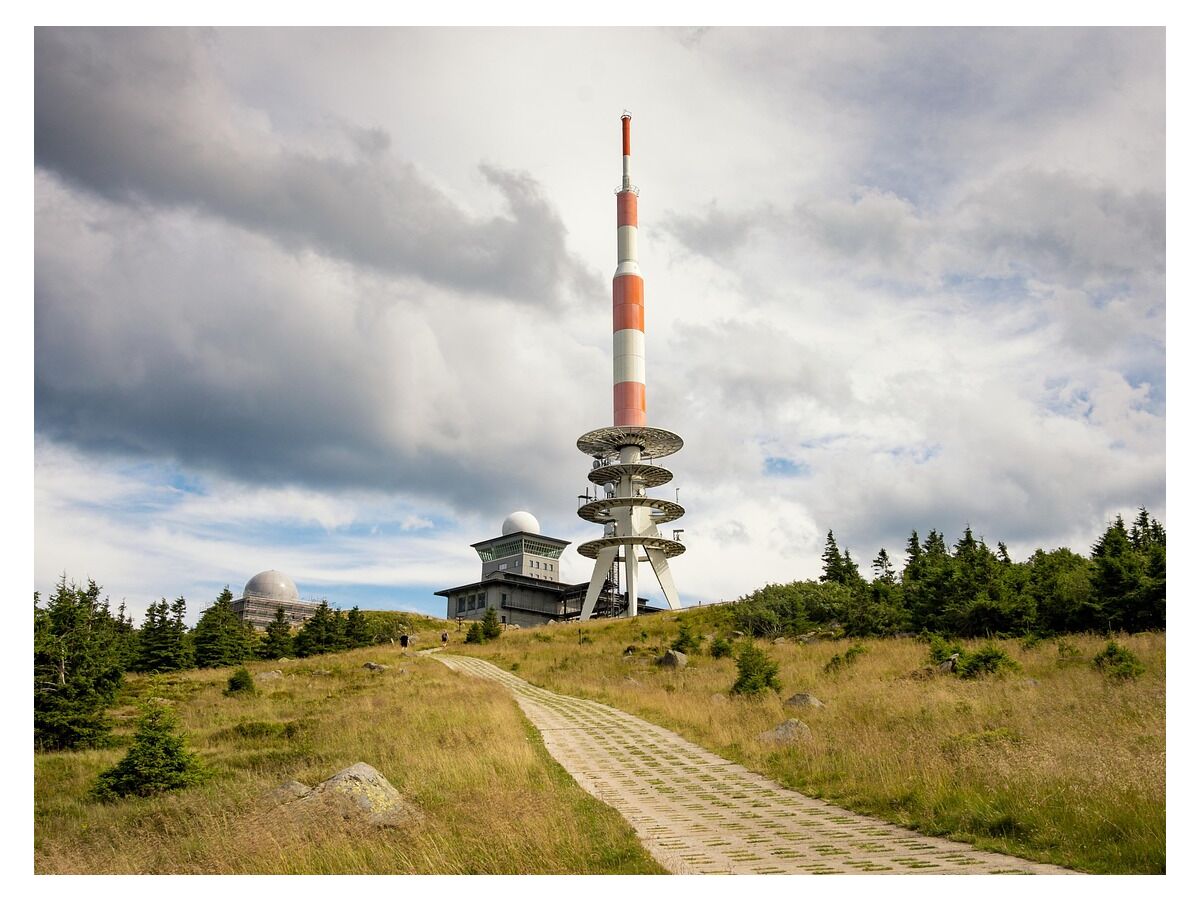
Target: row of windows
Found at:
472, 601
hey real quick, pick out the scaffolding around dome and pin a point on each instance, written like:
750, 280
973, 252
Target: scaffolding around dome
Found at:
268, 592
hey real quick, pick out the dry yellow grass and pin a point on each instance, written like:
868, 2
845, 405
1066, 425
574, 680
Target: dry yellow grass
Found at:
1054, 763
493, 801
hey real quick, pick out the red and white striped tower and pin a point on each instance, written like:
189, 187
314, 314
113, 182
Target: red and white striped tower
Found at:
629, 304
626, 454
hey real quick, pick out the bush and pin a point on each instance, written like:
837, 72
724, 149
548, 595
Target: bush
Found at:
720, 648
1118, 662
491, 624
757, 672
853, 652
685, 642
156, 762
941, 650
542, 637
240, 682
987, 660
1067, 652
474, 634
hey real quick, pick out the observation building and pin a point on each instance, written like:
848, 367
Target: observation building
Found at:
265, 593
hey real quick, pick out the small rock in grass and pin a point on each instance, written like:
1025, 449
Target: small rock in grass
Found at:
289, 791
793, 731
375, 667
273, 675
673, 659
803, 700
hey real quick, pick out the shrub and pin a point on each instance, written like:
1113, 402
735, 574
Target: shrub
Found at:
853, 652
542, 637
757, 672
491, 624
1030, 641
685, 641
474, 634
720, 647
1067, 652
240, 682
1118, 662
987, 660
157, 760
941, 650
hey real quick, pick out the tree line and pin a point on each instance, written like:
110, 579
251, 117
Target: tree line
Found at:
971, 590
81, 650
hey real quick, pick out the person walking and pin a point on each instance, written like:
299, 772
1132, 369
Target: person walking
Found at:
445, 637
404, 642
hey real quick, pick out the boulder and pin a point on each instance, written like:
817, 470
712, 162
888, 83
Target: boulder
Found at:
800, 701
922, 673
950, 665
289, 791
719, 698
361, 790
793, 731
673, 659
321, 672
780, 640
375, 667
283, 659
273, 675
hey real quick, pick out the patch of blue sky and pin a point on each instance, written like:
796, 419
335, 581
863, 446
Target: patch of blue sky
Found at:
1156, 380
986, 288
782, 467
918, 453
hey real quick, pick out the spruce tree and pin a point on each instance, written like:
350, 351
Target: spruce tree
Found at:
831, 561
358, 632
491, 624
220, 637
318, 634
882, 567
279, 637
77, 668
157, 760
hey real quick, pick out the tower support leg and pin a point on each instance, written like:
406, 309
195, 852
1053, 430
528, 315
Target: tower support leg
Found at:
604, 563
631, 579
662, 571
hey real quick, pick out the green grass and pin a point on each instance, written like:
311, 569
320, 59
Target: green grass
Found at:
492, 800
1054, 762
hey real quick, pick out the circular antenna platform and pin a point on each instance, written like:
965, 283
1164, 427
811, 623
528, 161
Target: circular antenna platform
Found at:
670, 548
646, 475
606, 442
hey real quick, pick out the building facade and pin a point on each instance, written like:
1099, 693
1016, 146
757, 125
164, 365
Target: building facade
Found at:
521, 579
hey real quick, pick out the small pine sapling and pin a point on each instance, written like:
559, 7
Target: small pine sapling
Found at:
757, 672
157, 761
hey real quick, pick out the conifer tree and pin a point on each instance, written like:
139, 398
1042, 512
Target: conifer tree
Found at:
220, 638
318, 634
279, 637
882, 567
491, 624
831, 560
77, 667
157, 760
358, 632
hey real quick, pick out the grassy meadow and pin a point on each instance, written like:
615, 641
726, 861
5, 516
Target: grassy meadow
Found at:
493, 801
1053, 763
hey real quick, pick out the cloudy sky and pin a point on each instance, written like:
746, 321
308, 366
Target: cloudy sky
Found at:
337, 301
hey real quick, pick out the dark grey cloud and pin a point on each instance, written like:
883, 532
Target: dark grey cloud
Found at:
142, 116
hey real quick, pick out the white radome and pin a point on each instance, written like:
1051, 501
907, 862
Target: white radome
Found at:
271, 585
520, 521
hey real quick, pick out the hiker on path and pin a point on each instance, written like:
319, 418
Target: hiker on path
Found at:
445, 637
404, 642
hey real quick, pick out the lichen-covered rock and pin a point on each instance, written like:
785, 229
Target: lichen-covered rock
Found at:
790, 732
361, 790
801, 701
374, 666
673, 659
273, 675
289, 791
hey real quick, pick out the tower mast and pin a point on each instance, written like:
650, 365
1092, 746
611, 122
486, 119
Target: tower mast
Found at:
626, 454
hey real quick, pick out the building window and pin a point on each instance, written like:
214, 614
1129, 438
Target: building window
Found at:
462, 604
504, 600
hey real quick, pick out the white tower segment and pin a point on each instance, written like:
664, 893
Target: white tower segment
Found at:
626, 452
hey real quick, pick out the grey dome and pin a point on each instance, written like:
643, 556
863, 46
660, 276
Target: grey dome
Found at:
271, 585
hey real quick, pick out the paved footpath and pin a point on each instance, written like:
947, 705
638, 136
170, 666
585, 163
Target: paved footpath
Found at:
699, 813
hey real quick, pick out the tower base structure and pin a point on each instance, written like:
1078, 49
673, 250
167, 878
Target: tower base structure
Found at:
625, 465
